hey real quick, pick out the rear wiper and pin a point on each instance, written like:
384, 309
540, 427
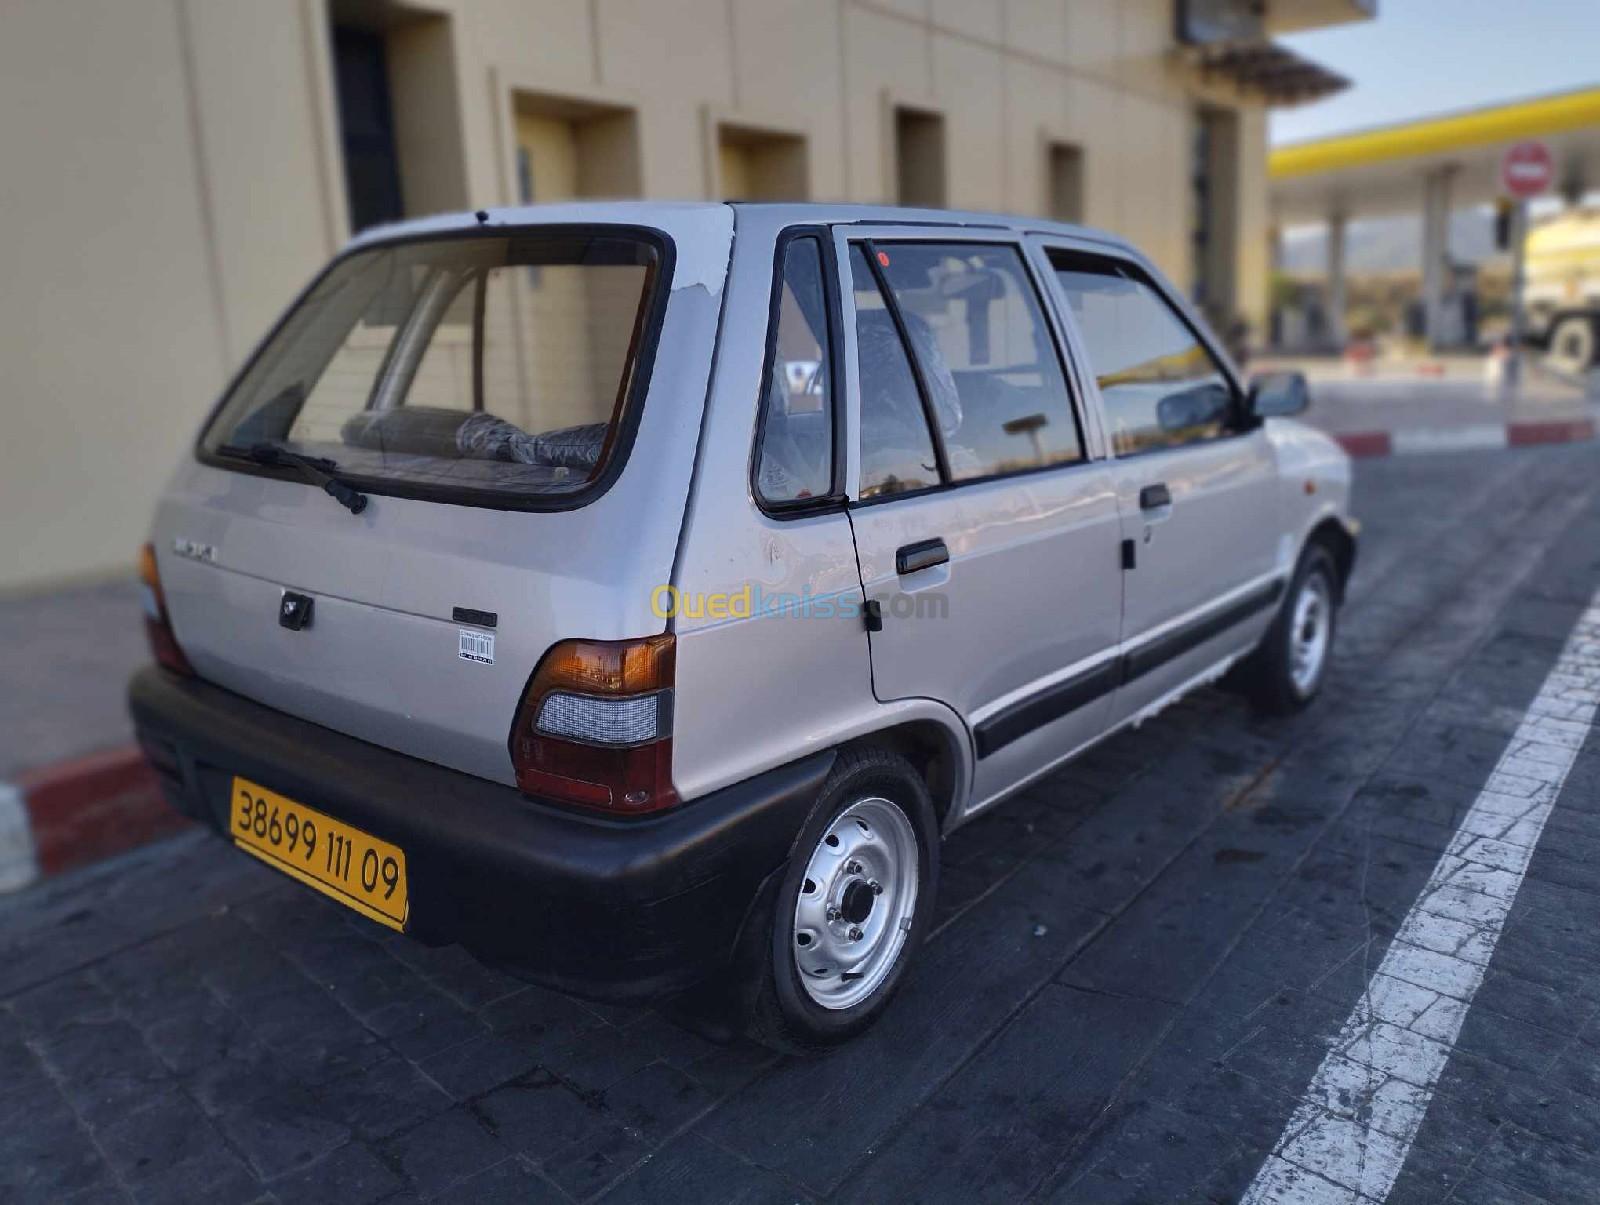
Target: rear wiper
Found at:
318, 470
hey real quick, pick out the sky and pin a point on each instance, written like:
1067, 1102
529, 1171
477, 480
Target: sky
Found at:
1423, 57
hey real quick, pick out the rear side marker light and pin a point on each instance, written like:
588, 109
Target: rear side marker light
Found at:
594, 727
157, 622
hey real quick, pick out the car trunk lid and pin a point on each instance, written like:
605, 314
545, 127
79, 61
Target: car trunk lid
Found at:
428, 614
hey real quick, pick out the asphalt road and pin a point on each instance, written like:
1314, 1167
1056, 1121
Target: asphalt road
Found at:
1139, 970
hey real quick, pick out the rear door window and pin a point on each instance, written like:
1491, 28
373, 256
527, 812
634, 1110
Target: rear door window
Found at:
1160, 385
795, 462
987, 356
482, 369
897, 452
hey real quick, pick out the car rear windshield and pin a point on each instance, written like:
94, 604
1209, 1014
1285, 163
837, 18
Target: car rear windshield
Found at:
477, 369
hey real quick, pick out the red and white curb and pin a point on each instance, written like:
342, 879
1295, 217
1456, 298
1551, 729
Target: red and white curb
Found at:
70, 814
1410, 441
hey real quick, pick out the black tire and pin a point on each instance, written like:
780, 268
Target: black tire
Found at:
782, 1014
1267, 675
1574, 343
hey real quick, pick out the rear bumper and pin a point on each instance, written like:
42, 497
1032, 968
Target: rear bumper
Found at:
610, 909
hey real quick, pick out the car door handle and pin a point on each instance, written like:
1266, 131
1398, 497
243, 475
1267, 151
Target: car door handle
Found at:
924, 554
1154, 497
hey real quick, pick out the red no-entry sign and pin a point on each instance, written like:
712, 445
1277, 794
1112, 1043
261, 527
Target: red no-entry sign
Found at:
1527, 169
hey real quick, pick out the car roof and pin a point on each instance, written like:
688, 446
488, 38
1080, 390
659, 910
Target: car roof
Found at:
799, 212
774, 214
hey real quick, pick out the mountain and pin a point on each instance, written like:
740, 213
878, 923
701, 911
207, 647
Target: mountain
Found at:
1389, 244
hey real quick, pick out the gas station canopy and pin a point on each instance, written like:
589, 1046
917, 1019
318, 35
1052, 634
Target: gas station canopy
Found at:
1380, 172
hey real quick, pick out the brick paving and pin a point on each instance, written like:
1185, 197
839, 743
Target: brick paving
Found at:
1136, 971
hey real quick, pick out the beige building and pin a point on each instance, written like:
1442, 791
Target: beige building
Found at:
176, 169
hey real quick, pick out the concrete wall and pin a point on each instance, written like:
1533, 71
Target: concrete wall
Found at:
173, 172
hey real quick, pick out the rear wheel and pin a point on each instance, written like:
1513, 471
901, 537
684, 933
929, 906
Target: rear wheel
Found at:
1286, 671
1574, 343
852, 906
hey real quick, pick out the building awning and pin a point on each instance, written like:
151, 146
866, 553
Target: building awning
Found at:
1275, 73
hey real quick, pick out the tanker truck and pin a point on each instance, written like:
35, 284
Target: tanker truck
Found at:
1562, 293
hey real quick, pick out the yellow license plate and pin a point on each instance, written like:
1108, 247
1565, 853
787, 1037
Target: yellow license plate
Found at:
337, 859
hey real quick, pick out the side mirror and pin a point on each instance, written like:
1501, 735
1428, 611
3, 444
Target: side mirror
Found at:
1279, 394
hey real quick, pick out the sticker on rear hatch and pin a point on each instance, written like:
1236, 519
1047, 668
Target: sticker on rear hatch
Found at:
477, 646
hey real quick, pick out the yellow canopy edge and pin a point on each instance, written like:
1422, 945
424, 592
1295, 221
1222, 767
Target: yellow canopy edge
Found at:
1479, 127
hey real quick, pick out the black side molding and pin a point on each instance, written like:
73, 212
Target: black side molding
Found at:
1175, 643
479, 619
1051, 703
1060, 698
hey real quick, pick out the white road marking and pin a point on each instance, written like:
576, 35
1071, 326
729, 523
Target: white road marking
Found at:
1357, 1119
18, 866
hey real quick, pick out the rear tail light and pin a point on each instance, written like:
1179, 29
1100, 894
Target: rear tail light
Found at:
595, 726
157, 623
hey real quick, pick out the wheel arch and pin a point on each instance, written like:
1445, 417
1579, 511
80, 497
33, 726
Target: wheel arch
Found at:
1336, 537
937, 754
1586, 315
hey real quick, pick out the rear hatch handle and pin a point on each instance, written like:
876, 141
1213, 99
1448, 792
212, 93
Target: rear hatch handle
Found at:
318, 470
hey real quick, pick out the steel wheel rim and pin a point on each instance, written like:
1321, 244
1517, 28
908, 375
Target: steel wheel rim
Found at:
856, 903
1571, 346
1309, 632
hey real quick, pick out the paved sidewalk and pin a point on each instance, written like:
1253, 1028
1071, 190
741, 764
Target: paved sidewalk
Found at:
1386, 418
73, 787
1357, 405
1398, 410
1468, 368
1136, 972
65, 659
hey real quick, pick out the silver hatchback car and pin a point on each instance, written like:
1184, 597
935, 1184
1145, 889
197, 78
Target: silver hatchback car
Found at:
636, 593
